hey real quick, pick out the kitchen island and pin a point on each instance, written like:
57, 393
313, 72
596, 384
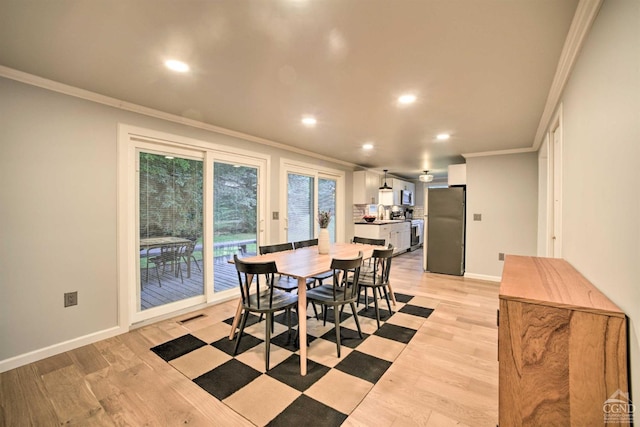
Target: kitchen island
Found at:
394, 231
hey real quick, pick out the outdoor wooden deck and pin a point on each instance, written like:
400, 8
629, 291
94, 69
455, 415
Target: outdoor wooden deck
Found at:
152, 295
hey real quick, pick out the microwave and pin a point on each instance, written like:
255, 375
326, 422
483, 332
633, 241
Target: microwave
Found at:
406, 197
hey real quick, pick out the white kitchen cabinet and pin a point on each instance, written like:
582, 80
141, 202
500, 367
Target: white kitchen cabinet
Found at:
365, 188
396, 233
399, 185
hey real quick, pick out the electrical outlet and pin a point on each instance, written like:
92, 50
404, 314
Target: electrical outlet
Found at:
477, 217
275, 215
501, 256
70, 298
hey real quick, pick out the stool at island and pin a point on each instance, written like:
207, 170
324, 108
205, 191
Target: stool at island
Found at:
562, 347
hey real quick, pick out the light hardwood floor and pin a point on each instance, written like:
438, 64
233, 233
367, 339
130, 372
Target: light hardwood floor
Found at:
447, 375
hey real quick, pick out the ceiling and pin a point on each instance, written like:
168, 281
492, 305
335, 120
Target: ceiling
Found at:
481, 69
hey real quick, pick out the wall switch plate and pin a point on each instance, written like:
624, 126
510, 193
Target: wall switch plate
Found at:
477, 217
275, 215
501, 256
70, 298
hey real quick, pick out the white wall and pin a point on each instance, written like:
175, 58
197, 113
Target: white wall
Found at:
504, 189
58, 213
601, 154
543, 195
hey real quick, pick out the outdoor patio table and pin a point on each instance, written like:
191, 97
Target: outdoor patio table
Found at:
303, 264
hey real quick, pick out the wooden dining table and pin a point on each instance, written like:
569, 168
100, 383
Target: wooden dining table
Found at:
304, 264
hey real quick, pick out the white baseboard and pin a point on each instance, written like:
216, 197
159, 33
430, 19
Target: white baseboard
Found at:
482, 277
34, 356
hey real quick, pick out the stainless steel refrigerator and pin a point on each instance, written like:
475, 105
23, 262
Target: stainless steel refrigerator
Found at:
446, 230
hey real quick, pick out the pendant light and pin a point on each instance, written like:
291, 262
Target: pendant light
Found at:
426, 177
385, 193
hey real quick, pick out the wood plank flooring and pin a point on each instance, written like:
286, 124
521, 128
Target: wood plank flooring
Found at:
173, 289
447, 375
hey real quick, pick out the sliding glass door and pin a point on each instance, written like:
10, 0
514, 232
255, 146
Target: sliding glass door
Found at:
186, 208
235, 219
300, 207
327, 202
309, 191
170, 218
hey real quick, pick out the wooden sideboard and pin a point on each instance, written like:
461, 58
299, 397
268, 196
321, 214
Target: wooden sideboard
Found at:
562, 346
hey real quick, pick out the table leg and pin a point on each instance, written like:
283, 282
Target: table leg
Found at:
392, 295
302, 323
236, 318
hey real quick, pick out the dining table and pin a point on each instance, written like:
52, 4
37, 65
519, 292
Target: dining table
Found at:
304, 264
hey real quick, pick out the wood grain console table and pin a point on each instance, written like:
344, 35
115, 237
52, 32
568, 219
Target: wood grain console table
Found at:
562, 346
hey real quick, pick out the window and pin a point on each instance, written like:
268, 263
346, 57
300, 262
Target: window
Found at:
308, 189
185, 207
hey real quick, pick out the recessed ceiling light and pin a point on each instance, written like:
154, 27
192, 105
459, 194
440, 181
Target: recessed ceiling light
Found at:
407, 99
178, 66
309, 121
367, 146
442, 136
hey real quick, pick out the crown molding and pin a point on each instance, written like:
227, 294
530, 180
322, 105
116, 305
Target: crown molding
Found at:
62, 88
583, 19
499, 152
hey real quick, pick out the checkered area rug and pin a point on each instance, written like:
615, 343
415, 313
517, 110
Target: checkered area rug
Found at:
332, 388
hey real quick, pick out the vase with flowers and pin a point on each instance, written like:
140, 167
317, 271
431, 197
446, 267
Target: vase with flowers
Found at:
324, 218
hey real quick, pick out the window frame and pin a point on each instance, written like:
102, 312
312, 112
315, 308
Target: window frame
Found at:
301, 168
130, 140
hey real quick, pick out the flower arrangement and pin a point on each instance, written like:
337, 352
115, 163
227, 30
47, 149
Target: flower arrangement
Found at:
324, 217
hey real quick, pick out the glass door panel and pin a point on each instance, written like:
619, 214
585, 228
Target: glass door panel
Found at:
235, 219
170, 217
327, 202
300, 207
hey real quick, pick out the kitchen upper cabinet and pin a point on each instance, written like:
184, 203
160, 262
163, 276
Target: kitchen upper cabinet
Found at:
365, 188
399, 185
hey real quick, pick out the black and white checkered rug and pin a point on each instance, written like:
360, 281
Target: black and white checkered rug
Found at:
333, 386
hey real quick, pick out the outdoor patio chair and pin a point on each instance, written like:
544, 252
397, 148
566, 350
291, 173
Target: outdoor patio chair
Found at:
169, 256
187, 256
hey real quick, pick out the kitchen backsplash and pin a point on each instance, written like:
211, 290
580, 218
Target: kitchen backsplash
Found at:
361, 210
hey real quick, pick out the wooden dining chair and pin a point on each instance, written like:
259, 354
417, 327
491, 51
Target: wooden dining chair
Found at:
265, 300
378, 280
342, 291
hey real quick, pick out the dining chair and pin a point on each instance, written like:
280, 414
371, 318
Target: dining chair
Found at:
286, 283
280, 247
368, 241
315, 280
344, 290
378, 279
266, 300
305, 243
